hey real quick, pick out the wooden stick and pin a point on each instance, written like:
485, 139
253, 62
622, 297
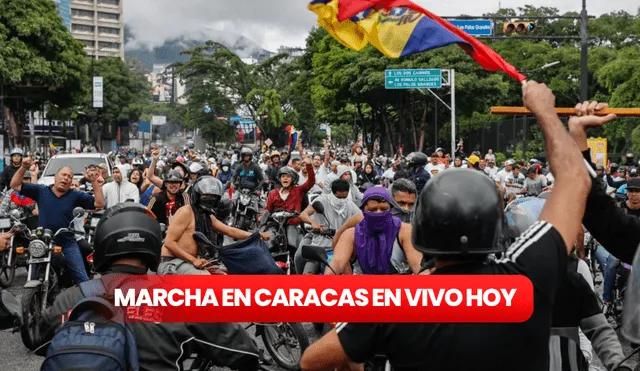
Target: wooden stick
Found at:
620, 112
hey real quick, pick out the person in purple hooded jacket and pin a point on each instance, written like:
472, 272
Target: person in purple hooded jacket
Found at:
379, 244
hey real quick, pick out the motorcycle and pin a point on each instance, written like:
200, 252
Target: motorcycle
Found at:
90, 223
311, 266
41, 291
274, 335
245, 212
315, 268
277, 224
8, 263
318, 255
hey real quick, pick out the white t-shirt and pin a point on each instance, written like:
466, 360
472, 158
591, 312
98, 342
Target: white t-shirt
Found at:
301, 178
321, 176
502, 176
389, 173
434, 169
491, 171
490, 157
518, 181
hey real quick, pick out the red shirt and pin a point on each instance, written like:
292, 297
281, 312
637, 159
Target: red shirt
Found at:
294, 200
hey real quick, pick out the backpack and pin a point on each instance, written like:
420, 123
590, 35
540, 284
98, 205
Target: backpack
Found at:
89, 341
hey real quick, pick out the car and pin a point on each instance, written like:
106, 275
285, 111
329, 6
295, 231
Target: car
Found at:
77, 161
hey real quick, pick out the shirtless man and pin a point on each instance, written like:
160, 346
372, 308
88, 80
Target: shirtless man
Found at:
180, 253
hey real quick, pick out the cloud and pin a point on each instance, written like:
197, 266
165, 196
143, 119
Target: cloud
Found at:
272, 23
268, 23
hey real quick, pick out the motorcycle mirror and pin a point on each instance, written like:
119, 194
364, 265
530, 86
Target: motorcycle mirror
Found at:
163, 227
318, 207
201, 238
78, 212
316, 254
15, 215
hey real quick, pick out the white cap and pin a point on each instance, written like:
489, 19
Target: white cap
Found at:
195, 167
212, 160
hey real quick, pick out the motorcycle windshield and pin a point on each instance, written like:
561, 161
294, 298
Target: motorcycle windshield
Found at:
631, 311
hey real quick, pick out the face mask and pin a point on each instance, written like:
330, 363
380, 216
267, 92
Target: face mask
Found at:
377, 222
338, 204
225, 168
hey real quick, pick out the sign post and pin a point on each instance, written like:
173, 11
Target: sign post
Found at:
474, 27
98, 92
426, 79
413, 79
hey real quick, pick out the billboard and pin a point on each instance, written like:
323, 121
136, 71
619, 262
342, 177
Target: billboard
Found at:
98, 92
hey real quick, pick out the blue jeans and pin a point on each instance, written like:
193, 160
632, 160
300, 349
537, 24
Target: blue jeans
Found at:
74, 262
609, 265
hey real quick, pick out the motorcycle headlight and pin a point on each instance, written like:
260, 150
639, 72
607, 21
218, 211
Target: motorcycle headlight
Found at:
5, 223
245, 201
37, 249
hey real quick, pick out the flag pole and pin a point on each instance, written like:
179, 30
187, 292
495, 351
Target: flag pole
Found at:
568, 111
452, 82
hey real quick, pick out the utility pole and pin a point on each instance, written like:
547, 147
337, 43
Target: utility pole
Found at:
4, 125
584, 67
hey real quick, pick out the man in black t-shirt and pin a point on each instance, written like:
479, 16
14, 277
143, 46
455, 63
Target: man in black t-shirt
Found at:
632, 205
461, 239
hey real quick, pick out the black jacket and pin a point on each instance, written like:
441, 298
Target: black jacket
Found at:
612, 227
249, 177
7, 174
158, 204
162, 346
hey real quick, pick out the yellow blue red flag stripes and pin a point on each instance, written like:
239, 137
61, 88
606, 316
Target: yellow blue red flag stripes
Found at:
294, 137
398, 28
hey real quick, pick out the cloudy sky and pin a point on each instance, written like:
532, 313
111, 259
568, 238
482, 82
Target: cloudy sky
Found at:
271, 23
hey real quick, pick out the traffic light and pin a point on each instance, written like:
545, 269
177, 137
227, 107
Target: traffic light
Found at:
519, 27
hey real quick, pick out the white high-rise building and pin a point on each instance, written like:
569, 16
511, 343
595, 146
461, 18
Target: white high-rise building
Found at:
98, 24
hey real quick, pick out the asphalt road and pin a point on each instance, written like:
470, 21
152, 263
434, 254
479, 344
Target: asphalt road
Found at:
14, 355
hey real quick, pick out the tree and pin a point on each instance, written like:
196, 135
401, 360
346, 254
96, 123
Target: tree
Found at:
219, 78
346, 87
126, 93
39, 61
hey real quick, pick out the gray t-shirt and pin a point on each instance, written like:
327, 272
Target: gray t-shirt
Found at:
336, 220
533, 186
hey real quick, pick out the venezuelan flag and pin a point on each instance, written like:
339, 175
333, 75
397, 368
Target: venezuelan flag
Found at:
294, 136
51, 146
398, 28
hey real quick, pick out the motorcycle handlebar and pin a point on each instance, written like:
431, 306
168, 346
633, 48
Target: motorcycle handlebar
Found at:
67, 230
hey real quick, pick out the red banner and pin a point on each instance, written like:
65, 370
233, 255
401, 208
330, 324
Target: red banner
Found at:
471, 299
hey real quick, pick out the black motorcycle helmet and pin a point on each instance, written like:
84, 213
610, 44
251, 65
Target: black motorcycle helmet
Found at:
184, 167
459, 212
117, 237
417, 159
207, 186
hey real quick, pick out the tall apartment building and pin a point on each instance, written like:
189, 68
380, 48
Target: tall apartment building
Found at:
98, 24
